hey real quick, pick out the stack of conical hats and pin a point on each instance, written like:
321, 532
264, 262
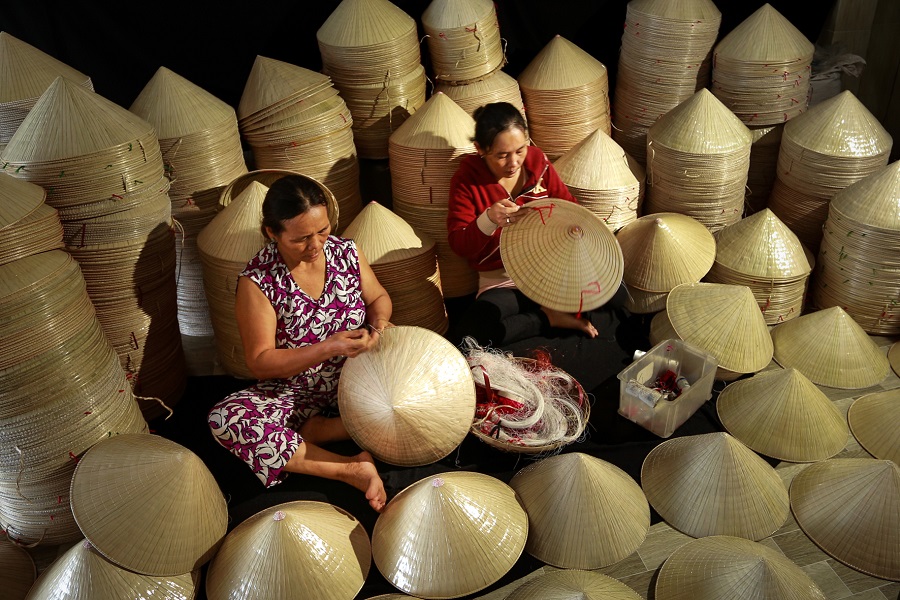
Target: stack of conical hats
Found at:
831, 146
370, 49
570, 584
661, 251
698, 156
298, 549
405, 263
425, 152
496, 87
134, 494
712, 484
761, 253
463, 40
294, 119
724, 320
584, 513
25, 74
103, 172
411, 400
27, 225
562, 256
62, 391
481, 526
831, 349
782, 414
604, 179
859, 258
566, 92
84, 569
664, 60
722, 566
875, 423
761, 69
763, 164
201, 148
17, 570
850, 507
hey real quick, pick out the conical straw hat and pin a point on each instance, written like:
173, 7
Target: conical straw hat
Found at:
18, 199
765, 36
17, 570
721, 566
597, 163
761, 245
894, 357
385, 237
873, 200
583, 513
234, 234
69, 121
176, 107
562, 256
724, 320
711, 484
783, 414
272, 81
875, 423
561, 65
26, 72
356, 23
850, 507
700, 125
664, 250
641, 302
438, 124
411, 400
442, 14
831, 349
269, 176
677, 10
298, 549
148, 504
449, 535
82, 573
573, 585
839, 126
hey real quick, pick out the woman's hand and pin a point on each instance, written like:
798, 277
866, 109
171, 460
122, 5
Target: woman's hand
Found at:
503, 213
350, 343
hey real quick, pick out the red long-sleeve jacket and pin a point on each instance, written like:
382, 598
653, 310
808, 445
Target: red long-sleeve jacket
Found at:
474, 188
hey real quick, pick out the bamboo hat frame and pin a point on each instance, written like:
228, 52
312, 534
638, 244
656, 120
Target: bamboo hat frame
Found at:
496, 87
463, 39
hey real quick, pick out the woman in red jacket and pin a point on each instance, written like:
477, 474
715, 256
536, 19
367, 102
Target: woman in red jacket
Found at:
486, 194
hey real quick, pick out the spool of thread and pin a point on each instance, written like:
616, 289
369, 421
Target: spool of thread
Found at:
643, 393
682, 384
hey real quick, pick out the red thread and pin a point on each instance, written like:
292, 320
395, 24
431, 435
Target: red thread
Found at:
540, 210
72, 456
88, 412
59, 499
117, 197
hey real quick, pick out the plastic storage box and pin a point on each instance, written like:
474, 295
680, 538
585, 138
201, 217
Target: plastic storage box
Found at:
691, 362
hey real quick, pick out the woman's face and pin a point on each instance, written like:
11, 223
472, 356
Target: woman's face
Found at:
303, 236
507, 154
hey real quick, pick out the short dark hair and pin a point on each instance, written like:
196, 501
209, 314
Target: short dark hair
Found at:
288, 197
495, 118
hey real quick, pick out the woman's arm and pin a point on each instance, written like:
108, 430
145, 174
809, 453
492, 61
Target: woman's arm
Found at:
257, 323
378, 303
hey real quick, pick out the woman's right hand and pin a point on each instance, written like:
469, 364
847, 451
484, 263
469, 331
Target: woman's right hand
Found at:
349, 343
503, 212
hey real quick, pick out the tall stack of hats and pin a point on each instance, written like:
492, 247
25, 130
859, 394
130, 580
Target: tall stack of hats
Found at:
661, 251
103, 171
698, 155
27, 224
761, 253
832, 145
226, 245
201, 148
25, 73
424, 154
664, 60
722, 319
604, 179
497, 87
62, 391
405, 262
370, 48
463, 40
761, 71
566, 92
294, 120
859, 260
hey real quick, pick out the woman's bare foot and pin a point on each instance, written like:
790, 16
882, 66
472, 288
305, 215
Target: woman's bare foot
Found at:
364, 476
569, 321
321, 430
